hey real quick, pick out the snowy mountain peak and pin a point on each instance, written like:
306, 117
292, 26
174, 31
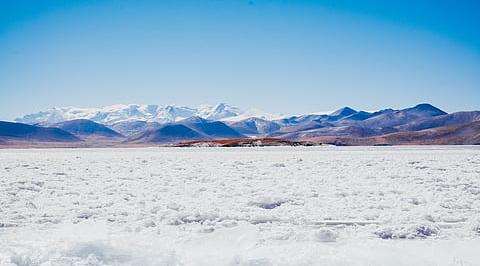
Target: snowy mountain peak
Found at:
136, 112
193, 119
220, 111
253, 112
345, 111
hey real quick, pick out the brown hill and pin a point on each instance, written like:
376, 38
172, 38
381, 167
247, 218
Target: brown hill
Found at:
242, 143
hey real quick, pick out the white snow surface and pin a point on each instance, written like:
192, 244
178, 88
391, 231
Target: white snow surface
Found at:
240, 206
134, 112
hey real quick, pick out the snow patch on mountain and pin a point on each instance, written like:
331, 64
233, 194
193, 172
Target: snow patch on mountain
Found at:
253, 112
220, 111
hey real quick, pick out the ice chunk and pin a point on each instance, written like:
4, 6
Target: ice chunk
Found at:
268, 203
416, 231
325, 235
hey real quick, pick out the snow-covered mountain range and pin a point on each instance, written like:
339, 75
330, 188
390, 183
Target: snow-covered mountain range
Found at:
144, 124
149, 113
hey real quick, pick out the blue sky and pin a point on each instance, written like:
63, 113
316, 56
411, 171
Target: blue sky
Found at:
279, 56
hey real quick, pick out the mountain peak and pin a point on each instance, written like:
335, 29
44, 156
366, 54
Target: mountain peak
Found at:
426, 107
220, 106
85, 127
342, 112
193, 119
218, 112
112, 114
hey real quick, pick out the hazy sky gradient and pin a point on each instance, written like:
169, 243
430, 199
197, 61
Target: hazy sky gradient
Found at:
279, 56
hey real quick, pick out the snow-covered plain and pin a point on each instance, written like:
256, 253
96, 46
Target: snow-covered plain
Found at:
241, 206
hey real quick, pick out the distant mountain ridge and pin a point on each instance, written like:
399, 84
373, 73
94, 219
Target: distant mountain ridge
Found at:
169, 133
110, 115
190, 129
459, 134
87, 128
13, 132
152, 124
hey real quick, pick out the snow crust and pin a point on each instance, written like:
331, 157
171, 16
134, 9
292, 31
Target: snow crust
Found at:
241, 206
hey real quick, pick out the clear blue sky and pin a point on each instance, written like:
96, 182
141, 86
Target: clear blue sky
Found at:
281, 56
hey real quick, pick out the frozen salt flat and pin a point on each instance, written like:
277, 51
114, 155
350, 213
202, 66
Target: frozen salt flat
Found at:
241, 206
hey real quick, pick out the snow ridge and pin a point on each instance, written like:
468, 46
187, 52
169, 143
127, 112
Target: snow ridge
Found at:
140, 112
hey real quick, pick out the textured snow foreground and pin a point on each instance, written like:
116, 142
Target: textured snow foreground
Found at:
241, 206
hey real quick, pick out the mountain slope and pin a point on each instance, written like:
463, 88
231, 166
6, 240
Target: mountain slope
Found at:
213, 129
454, 135
464, 134
129, 128
87, 128
218, 112
255, 126
351, 131
442, 120
22, 132
194, 128
341, 113
170, 133
393, 118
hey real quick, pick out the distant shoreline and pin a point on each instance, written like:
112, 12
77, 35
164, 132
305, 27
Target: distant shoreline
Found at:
199, 144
